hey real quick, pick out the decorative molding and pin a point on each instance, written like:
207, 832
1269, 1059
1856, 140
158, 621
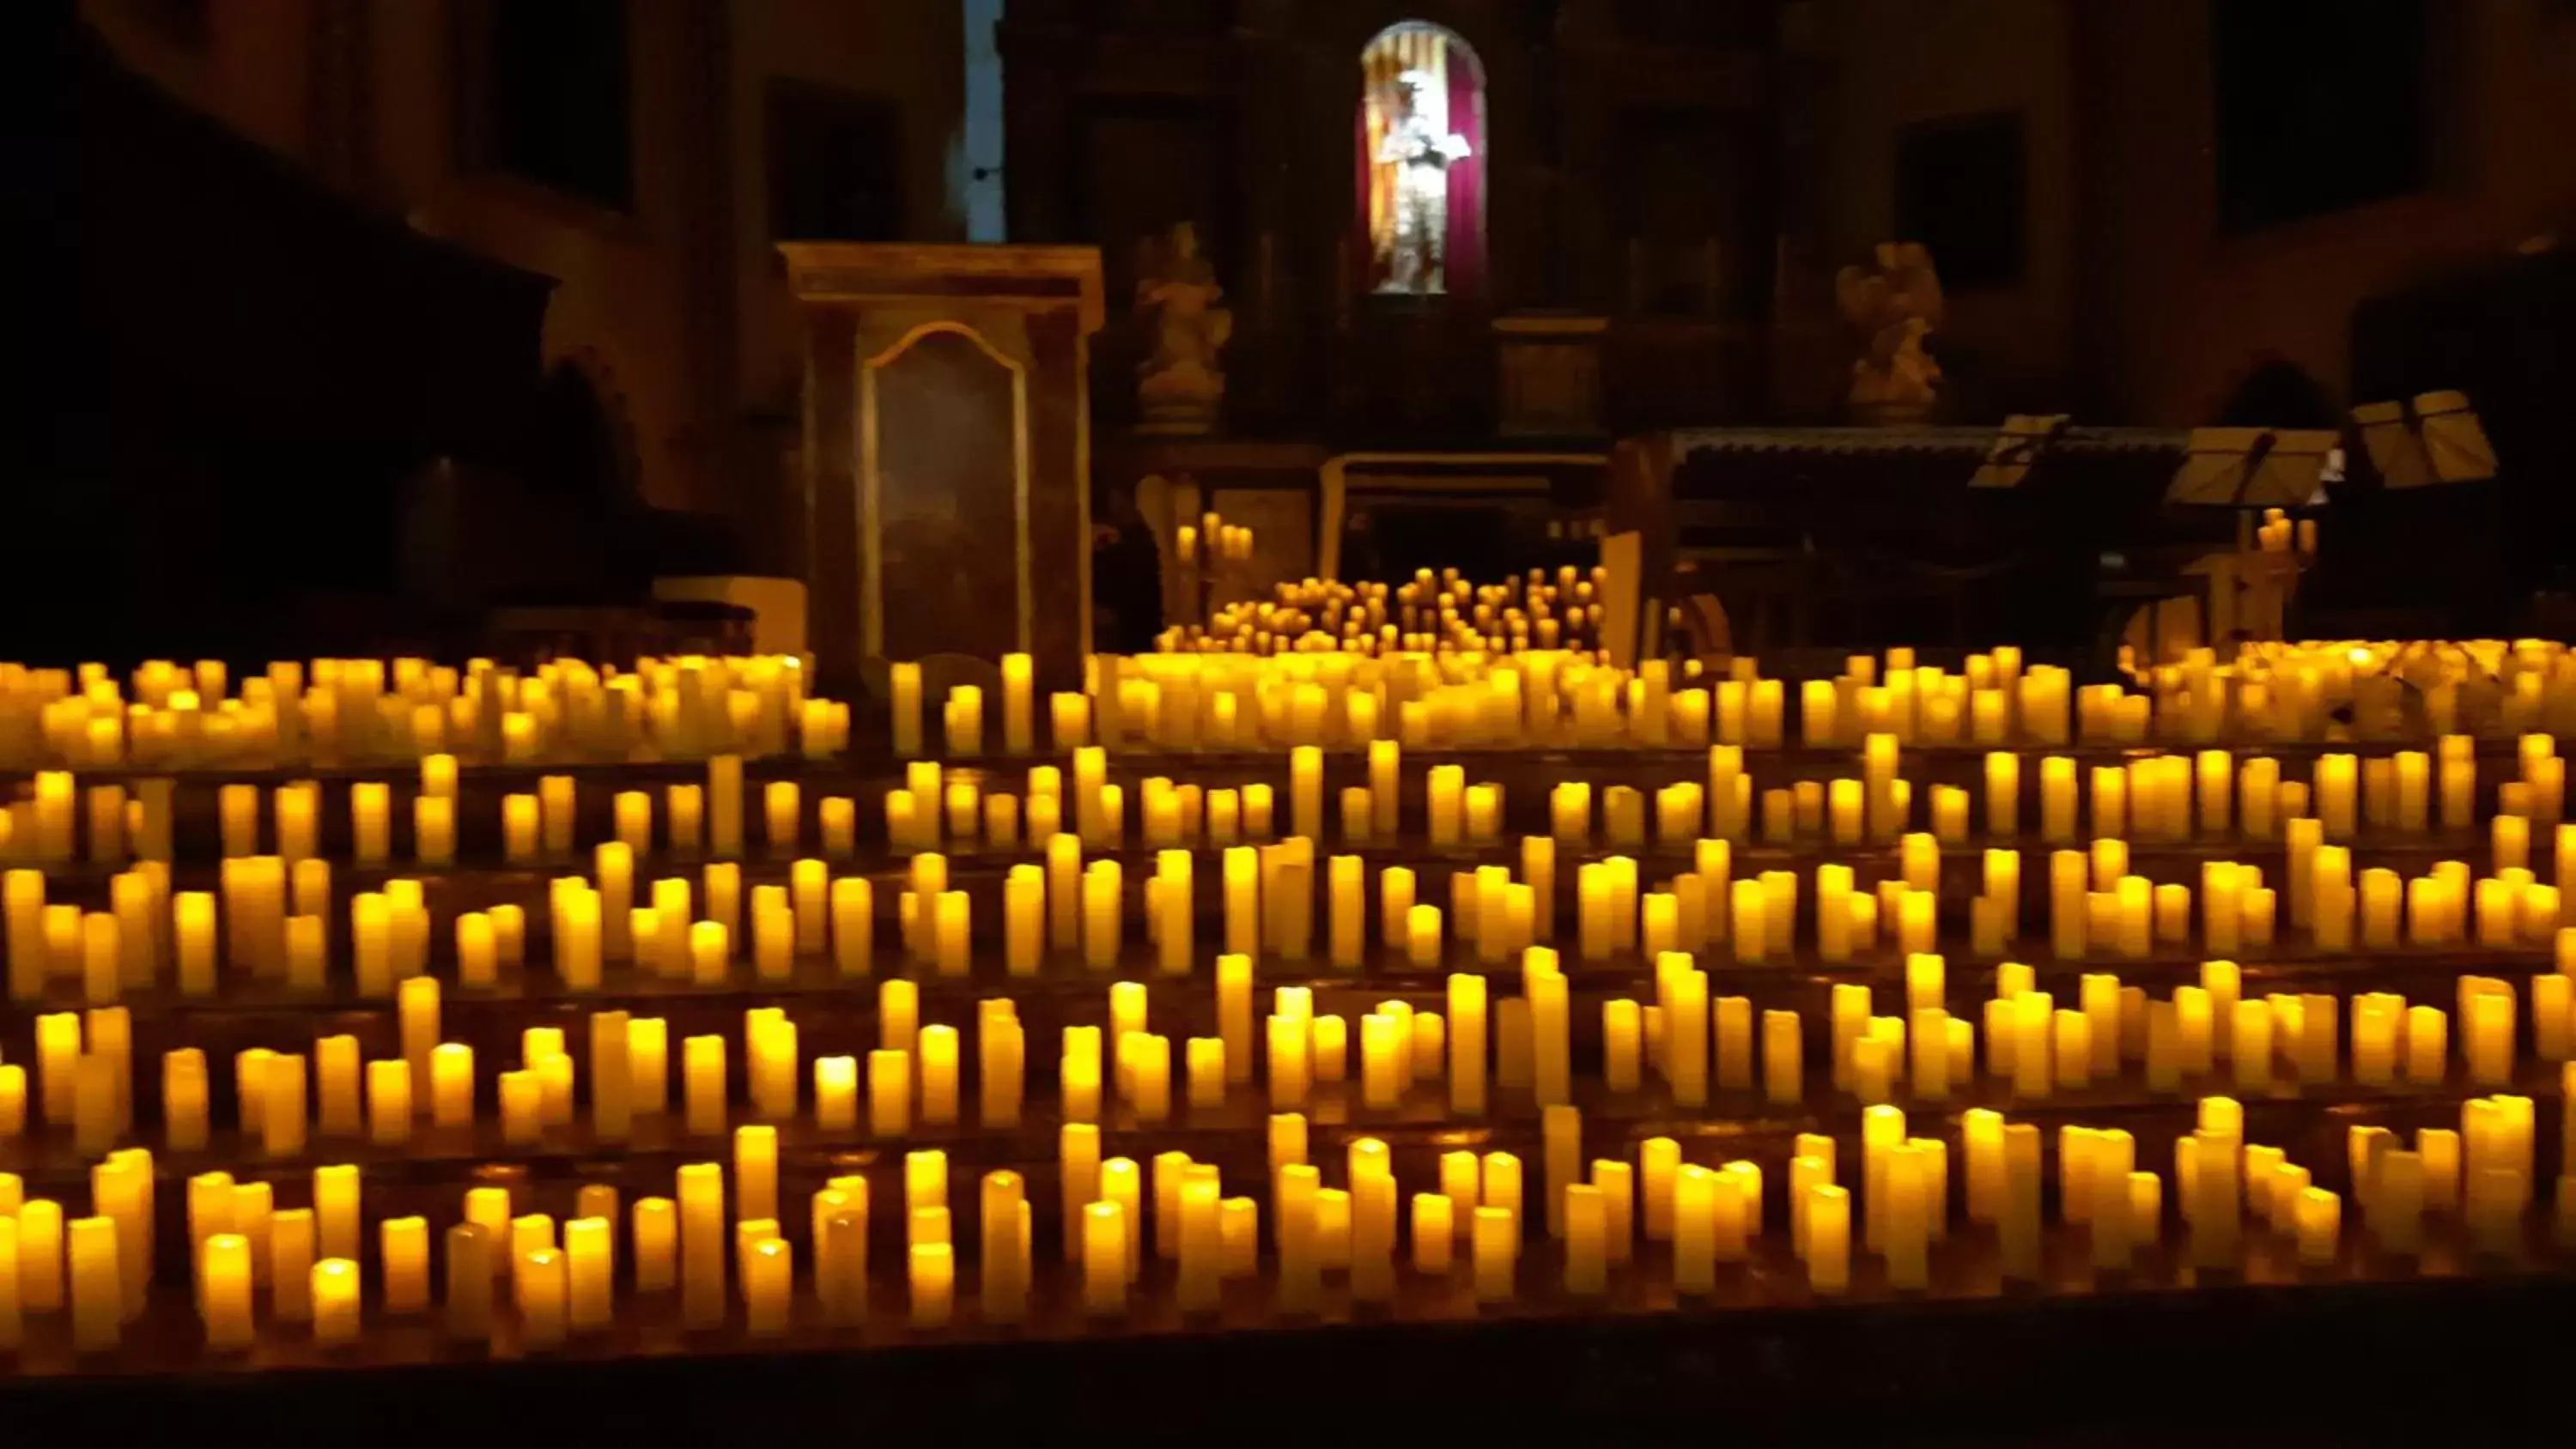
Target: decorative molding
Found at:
1023, 277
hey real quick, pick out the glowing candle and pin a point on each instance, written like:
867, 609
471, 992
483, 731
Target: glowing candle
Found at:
541, 1290
1444, 788
1329, 1041
1828, 1231
1100, 901
2487, 1031
1422, 935
963, 717
1104, 1259
1495, 1254
889, 1093
434, 829
2057, 800
519, 829
2320, 1227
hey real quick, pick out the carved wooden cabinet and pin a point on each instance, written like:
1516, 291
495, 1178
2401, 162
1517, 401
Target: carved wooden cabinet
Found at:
947, 451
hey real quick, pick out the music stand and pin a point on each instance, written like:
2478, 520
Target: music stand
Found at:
2249, 470
2252, 468
2431, 438
2010, 457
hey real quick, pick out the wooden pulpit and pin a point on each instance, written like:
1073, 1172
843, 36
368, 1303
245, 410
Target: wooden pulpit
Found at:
947, 452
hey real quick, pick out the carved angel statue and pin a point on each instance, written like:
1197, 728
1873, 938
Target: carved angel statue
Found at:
1893, 305
1180, 385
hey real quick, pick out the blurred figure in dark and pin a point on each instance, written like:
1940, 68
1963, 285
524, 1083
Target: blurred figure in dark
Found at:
1126, 576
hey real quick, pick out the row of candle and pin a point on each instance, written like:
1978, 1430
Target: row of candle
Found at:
1518, 695
1691, 1038
355, 710
698, 706
272, 922
2357, 690
1226, 542
698, 818
1433, 615
1120, 1223
2152, 797
280, 1100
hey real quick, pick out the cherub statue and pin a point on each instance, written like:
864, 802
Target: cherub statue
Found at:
1180, 385
1894, 306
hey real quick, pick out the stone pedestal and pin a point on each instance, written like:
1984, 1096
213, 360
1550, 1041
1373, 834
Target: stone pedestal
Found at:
947, 457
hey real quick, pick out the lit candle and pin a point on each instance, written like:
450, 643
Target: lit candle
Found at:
541, 1290
964, 719
2320, 1227
1496, 1253
1069, 720
767, 1273
889, 1093
2057, 800
1104, 1240
683, 809
335, 1303
1444, 788
1828, 1232
519, 832
1422, 936
1100, 901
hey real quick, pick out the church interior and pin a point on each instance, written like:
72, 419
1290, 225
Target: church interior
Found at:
823, 711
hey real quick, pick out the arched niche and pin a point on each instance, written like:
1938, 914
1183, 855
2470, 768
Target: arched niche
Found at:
1421, 162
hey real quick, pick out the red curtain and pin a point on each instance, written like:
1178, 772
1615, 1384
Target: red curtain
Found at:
1363, 270
1466, 239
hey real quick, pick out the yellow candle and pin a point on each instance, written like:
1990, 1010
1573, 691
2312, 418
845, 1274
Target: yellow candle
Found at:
836, 1093
1207, 1072
964, 721
469, 1281
2320, 1227
1828, 1219
1496, 1253
282, 1109
541, 1288
404, 1255
2057, 800
290, 1264
224, 1297
1422, 935
519, 828
335, 1303
184, 1099
97, 1294
702, 1068
1100, 900
1329, 1041
889, 1093
451, 1068
767, 1270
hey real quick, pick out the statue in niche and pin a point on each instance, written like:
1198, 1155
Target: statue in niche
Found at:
1180, 387
1420, 151
1894, 305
